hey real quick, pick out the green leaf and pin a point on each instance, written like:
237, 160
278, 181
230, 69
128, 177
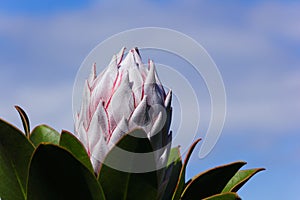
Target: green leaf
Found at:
25, 120
172, 172
181, 180
44, 133
71, 143
56, 174
240, 178
174, 156
15, 154
210, 182
224, 196
123, 184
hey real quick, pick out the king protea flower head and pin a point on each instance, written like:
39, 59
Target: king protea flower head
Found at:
125, 96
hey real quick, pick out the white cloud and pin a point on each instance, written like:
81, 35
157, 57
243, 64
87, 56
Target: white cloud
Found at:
58, 43
277, 18
44, 104
267, 103
254, 47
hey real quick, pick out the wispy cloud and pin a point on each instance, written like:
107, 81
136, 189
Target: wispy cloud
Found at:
44, 104
255, 44
43, 49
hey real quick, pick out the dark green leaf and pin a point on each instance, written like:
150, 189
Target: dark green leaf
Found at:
239, 179
172, 173
71, 143
224, 196
25, 120
44, 133
181, 181
211, 182
15, 154
118, 181
56, 174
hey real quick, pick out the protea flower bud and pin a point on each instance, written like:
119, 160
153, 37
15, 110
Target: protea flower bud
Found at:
125, 96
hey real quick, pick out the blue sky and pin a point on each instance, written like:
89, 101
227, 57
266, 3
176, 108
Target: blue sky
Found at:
256, 46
